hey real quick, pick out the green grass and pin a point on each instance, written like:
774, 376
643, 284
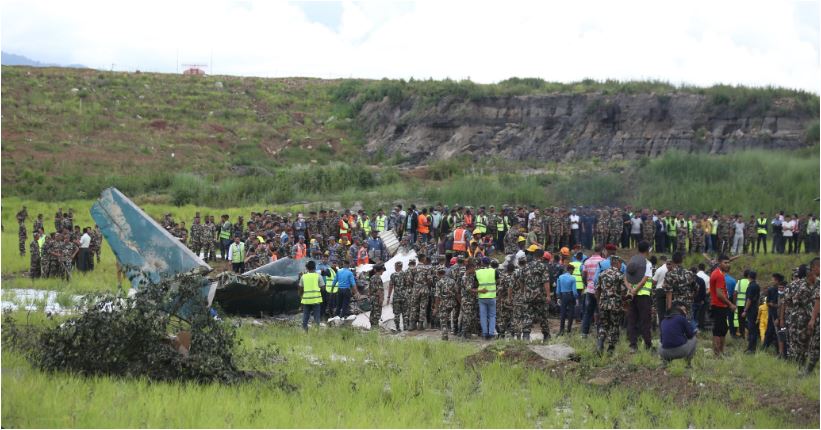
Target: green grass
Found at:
345, 378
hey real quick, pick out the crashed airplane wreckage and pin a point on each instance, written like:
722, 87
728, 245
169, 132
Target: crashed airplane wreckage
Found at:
148, 255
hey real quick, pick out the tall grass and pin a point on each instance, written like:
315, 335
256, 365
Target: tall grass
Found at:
345, 378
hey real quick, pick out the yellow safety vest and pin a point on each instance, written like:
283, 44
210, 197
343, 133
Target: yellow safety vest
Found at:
41, 241
329, 282
577, 273
742, 292
761, 225
237, 252
714, 223
225, 233
671, 227
487, 280
481, 224
310, 289
366, 226
645, 290
380, 223
502, 224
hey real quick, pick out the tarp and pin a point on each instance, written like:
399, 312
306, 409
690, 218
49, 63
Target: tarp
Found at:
146, 251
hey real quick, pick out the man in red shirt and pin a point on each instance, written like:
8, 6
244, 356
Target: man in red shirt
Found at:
721, 305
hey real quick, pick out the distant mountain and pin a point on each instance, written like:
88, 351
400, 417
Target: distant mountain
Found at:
9, 59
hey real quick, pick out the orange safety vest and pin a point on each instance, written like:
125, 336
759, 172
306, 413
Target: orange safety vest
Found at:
343, 227
459, 243
424, 224
300, 251
362, 256
468, 220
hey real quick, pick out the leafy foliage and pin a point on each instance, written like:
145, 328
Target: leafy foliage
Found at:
130, 337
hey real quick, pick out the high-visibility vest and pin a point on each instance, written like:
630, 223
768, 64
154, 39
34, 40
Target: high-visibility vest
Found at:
237, 252
329, 282
714, 223
380, 223
741, 292
459, 243
344, 228
225, 233
487, 281
423, 225
366, 226
362, 256
310, 289
481, 223
761, 225
645, 289
690, 226
671, 227
300, 251
577, 274
41, 241
502, 223
469, 220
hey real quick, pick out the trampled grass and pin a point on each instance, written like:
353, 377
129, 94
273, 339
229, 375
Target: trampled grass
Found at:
346, 378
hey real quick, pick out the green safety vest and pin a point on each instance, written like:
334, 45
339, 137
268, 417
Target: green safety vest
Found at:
237, 252
329, 282
366, 226
487, 280
671, 227
577, 274
481, 223
380, 223
501, 224
41, 241
690, 226
310, 289
741, 290
225, 233
645, 290
761, 225
714, 224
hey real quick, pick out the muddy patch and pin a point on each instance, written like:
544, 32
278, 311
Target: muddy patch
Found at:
524, 355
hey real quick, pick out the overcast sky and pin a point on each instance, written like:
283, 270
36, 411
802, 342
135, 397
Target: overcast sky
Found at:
683, 41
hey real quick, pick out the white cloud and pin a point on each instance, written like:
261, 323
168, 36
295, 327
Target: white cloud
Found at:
737, 42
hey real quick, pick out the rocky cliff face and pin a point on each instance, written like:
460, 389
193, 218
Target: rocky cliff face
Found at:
563, 127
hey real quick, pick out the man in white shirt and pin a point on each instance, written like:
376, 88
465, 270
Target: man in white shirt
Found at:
738, 236
84, 262
787, 229
659, 297
574, 227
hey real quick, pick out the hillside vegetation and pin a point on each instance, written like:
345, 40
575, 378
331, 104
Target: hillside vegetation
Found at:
227, 141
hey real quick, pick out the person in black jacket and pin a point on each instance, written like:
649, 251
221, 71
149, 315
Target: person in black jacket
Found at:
699, 300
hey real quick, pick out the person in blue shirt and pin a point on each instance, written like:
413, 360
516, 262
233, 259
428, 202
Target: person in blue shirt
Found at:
579, 256
346, 282
605, 264
566, 290
678, 339
731, 282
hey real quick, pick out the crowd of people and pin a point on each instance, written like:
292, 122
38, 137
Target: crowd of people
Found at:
56, 254
498, 274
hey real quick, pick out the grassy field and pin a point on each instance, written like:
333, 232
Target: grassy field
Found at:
346, 378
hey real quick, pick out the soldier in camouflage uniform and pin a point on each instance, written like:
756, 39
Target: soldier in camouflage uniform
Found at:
376, 293
601, 229
65, 255
801, 235
798, 302
697, 237
535, 282
518, 299
68, 220
469, 312
447, 298
725, 233
56, 270
511, 238
750, 235
648, 229
38, 223
398, 295
610, 292
209, 238
238, 228
457, 273
555, 230
679, 283
45, 254
35, 256
504, 304
615, 227
681, 233
197, 236
96, 244
419, 294
814, 346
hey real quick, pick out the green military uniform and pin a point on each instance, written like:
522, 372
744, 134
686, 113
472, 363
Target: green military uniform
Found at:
681, 283
504, 307
376, 293
446, 292
400, 299
648, 230
419, 296
610, 285
799, 299
533, 277
469, 312
512, 240
34, 249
